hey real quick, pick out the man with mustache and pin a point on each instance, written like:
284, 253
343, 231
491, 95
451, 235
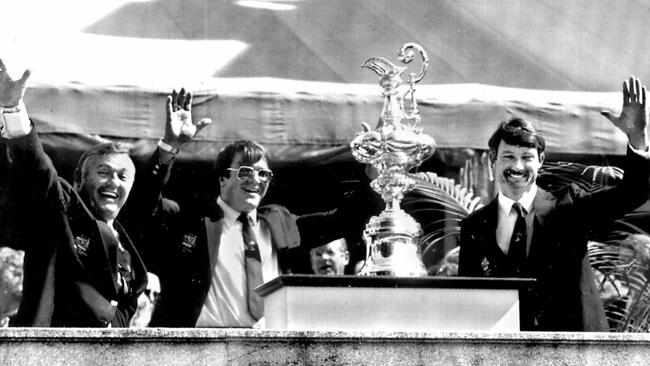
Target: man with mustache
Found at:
80, 267
527, 232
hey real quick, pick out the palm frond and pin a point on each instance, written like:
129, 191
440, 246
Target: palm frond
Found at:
554, 176
439, 205
622, 265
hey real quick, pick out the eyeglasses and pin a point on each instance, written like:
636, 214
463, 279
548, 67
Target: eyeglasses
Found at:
246, 172
152, 294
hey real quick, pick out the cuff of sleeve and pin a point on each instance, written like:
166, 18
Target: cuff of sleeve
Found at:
167, 147
14, 121
645, 153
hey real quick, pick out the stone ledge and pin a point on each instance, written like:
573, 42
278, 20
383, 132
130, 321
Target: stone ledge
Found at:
164, 346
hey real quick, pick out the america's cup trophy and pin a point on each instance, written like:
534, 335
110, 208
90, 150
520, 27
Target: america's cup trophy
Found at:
395, 147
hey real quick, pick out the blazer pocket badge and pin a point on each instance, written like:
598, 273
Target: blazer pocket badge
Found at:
189, 242
81, 244
485, 264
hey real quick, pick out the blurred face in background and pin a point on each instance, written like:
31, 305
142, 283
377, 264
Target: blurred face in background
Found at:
331, 258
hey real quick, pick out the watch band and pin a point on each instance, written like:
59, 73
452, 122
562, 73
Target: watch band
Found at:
14, 121
167, 147
14, 109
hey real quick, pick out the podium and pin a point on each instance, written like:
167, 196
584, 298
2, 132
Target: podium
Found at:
383, 303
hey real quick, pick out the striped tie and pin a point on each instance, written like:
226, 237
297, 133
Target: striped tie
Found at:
253, 262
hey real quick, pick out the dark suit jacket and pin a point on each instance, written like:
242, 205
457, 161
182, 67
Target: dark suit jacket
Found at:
70, 256
565, 297
178, 251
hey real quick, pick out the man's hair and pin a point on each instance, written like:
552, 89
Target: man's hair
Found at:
518, 132
251, 153
342, 245
108, 148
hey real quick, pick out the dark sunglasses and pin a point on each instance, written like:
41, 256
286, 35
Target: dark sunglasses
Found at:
246, 172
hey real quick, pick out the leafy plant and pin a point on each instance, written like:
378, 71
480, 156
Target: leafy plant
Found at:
439, 204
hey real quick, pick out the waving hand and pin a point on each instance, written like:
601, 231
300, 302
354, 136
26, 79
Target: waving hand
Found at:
634, 115
179, 127
11, 91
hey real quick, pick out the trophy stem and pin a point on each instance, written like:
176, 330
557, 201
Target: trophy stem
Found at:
393, 205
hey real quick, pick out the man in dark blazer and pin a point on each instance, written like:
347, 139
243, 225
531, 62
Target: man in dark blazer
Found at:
197, 247
554, 246
80, 267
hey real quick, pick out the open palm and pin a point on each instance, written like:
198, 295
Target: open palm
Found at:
180, 128
11, 90
633, 120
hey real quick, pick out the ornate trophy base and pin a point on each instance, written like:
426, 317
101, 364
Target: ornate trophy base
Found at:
392, 241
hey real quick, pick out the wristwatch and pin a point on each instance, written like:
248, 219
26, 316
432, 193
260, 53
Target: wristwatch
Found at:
14, 121
167, 147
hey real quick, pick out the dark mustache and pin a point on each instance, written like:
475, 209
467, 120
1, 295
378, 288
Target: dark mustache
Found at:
524, 172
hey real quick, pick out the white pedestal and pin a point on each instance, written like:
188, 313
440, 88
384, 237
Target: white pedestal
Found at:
325, 303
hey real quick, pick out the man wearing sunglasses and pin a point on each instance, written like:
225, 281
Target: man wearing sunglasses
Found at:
211, 254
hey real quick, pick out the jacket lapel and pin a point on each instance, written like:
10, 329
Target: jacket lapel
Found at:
493, 262
139, 270
213, 227
487, 227
543, 204
91, 246
109, 246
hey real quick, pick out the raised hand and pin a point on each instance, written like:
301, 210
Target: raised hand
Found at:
179, 127
11, 91
634, 114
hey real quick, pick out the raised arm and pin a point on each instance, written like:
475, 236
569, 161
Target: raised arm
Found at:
147, 198
32, 181
14, 121
633, 120
179, 130
603, 206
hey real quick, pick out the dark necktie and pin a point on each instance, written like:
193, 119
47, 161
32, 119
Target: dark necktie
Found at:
517, 251
125, 273
253, 263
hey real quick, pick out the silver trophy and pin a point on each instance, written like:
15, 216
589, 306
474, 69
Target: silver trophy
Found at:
396, 146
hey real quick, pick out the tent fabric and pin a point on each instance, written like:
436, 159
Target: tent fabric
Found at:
315, 121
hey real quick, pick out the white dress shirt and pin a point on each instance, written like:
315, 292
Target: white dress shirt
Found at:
507, 218
227, 304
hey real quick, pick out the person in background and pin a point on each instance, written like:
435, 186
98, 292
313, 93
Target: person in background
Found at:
528, 232
11, 283
330, 258
146, 302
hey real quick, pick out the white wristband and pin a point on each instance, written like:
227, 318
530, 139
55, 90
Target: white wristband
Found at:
167, 147
14, 121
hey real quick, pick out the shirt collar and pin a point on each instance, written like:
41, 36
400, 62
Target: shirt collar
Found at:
231, 214
505, 203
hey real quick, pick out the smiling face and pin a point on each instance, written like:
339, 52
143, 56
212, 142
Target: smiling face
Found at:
515, 168
243, 195
105, 183
330, 259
